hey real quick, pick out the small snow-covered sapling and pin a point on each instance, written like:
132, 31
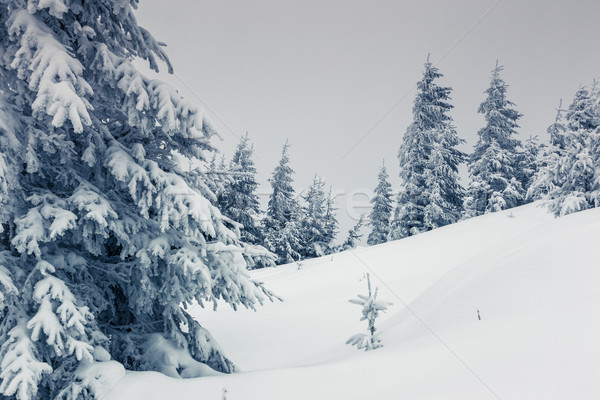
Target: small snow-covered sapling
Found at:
370, 311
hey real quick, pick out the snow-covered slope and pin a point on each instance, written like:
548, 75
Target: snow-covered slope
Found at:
534, 280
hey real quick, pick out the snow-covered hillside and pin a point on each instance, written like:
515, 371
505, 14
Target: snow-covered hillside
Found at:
535, 281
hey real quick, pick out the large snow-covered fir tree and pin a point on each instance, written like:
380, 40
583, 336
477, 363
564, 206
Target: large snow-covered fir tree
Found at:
104, 237
381, 212
571, 174
281, 223
430, 195
494, 163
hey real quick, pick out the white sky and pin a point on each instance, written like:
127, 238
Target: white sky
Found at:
323, 73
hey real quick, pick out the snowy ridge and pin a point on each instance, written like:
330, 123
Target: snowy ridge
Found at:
534, 279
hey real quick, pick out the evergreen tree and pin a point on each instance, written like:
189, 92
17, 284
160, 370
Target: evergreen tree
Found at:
557, 130
445, 192
371, 307
218, 180
354, 235
529, 162
209, 178
286, 242
381, 212
104, 236
493, 166
281, 222
312, 224
239, 200
542, 182
220, 177
572, 171
430, 194
331, 222
318, 224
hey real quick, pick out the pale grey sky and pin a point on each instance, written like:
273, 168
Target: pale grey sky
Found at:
323, 73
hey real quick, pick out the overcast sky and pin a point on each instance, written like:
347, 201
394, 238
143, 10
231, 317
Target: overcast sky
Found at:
323, 73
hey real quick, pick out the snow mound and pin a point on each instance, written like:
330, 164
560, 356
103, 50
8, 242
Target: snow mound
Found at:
165, 356
499, 306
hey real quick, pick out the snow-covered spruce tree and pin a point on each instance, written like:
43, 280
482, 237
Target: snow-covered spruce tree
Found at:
285, 242
493, 166
529, 162
573, 173
103, 236
312, 221
214, 176
218, 183
542, 181
281, 223
446, 195
239, 200
331, 222
318, 223
381, 213
371, 307
354, 235
430, 194
556, 131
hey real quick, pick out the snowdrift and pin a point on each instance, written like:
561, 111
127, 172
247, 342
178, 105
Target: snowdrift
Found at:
533, 279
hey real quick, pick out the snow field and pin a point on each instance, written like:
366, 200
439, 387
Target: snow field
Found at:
535, 280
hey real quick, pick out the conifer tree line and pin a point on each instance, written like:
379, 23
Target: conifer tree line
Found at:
294, 226
504, 172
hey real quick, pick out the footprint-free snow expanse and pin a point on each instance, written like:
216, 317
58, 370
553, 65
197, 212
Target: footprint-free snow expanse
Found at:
534, 279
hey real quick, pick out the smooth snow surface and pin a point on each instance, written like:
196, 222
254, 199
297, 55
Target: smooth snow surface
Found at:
535, 281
